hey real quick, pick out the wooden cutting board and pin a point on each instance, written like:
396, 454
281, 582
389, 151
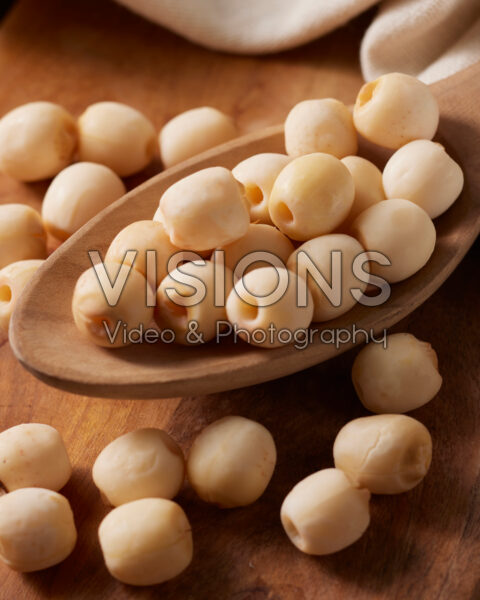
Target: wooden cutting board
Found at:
421, 545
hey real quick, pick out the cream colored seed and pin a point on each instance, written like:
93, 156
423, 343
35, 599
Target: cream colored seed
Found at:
204, 210
367, 179
76, 195
37, 529
395, 109
231, 462
13, 279
117, 136
311, 196
22, 235
259, 238
256, 303
93, 314
400, 230
157, 217
387, 454
143, 236
397, 378
325, 513
177, 308
146, 463
33, 455
425, 174
37, 141
192, 132
146, 542
257, 174
319, 251
324, 125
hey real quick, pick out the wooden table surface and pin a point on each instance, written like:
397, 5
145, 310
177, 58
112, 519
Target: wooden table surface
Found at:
421, 545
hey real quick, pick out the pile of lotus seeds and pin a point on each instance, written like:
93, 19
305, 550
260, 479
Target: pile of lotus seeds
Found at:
147, 539
273, 216
318, 197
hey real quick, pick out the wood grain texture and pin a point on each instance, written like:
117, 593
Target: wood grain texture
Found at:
423, 544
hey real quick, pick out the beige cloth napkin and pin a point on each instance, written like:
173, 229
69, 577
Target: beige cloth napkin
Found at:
427, 38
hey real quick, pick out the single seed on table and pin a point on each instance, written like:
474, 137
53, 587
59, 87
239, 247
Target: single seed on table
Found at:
192, 132
325, 513
146, 463
146, 542
76, 195
37, 529
13, 278
22, 235
397, 378
33, 455
387, 454
37, 141
117, 136
231, 462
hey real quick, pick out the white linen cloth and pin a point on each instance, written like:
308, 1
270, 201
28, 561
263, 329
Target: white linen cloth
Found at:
430, 39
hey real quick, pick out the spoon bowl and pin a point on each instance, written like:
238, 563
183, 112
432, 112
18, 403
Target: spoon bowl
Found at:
45, 340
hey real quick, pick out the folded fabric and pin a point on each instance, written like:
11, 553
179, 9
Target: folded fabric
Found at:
430, 39
427, 38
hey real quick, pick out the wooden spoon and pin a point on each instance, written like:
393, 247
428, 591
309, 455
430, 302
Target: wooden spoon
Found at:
45, 340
